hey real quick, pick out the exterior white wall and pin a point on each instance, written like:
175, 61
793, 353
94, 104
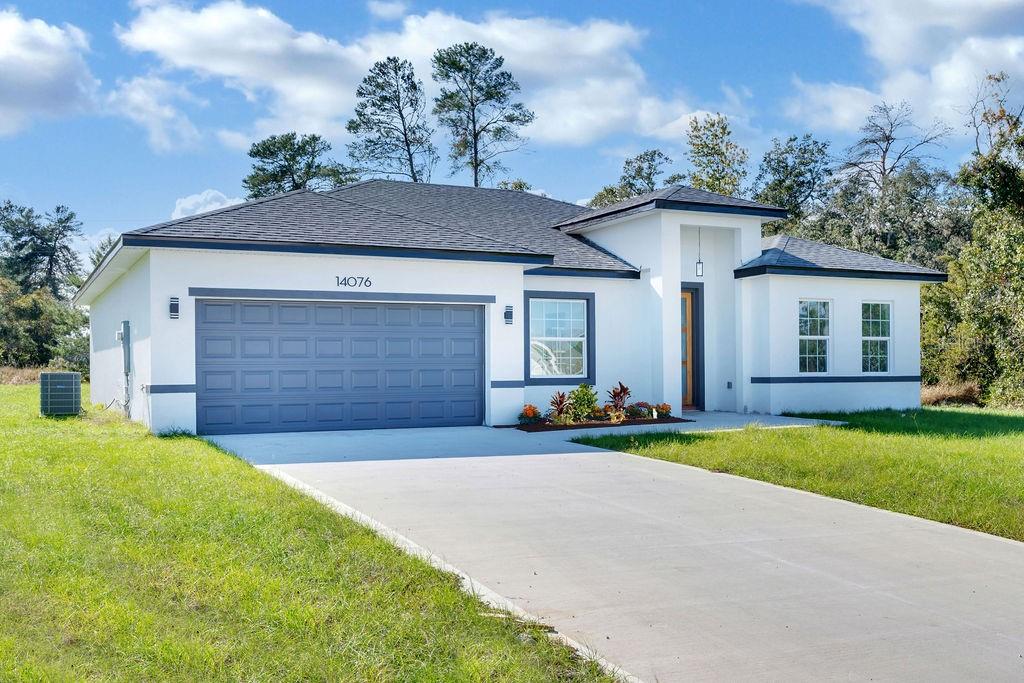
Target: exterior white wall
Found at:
749, 325
174, 271
126, 299
664, 244
777, 331
622, 335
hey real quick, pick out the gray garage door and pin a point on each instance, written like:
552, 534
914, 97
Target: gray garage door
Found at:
267, 366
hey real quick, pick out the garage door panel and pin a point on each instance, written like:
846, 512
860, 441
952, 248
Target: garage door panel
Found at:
292, 366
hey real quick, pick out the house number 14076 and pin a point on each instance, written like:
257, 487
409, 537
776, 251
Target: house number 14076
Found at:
354, 281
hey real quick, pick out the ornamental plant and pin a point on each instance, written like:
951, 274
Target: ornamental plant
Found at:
582, 402
663, 410
619, 395
638, 411
530, 415
613, 415
561, 409
642, 410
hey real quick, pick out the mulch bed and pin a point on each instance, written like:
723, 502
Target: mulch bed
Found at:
547, 427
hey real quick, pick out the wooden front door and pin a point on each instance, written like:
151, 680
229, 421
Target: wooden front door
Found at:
687, 341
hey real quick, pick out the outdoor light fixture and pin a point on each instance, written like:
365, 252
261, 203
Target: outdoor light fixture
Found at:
700, 264
508, 315
173, 308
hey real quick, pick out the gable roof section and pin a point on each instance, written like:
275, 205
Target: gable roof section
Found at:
675, 197
785, 255
321, 223
520, 218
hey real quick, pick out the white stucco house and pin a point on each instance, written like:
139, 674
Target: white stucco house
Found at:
394, 304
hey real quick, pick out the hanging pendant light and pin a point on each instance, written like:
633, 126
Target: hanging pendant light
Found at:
700, 264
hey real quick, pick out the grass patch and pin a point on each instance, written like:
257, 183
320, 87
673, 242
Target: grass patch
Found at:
132, 557
962, 466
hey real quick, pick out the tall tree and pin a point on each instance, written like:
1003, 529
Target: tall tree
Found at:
920, 215
719, 163
476, 106
99, 251
889, 141
639, 176
390, 126
39, 250
794, 174
282, 163
517, 184
995, 172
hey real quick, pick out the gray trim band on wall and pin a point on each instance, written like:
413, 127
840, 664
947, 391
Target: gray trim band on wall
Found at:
740, 273
507, 384
591, 339
229, 293
340, 249
171, 388
835, 379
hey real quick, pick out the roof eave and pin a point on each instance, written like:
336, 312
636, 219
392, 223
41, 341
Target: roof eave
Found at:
771, 213
336, 249
556, 271
752, 271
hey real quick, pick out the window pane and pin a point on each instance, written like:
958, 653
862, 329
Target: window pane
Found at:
813, 328
558, 330
875, 328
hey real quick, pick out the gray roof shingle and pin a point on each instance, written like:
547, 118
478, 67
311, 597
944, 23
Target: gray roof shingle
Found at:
304, 217
520, 218
782, 254
678, 197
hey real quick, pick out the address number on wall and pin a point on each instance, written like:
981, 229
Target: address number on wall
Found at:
353, 281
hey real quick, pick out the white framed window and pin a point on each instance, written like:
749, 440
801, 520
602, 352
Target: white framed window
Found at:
559, 341
814, 335
876, 335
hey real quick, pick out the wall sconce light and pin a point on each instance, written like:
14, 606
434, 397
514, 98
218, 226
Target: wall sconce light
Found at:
508, 315
174, 309
700, 263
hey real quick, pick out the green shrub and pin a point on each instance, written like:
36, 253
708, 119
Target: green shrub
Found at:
582, 402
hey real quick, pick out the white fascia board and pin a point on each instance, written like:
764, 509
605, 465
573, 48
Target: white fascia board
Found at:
118, 262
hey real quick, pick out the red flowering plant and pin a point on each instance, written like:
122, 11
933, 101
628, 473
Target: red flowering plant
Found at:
561, 409
616, 410
530, 415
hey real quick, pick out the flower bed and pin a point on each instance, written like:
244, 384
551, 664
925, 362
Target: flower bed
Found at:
579, 409
592, 424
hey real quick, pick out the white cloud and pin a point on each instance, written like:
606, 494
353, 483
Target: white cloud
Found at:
207, 200
580, 78
388, 10
931, 53
149, 102
42, 71
830, 105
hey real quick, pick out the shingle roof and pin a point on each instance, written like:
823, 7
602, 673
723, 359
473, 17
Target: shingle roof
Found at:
782, 254
304, 217
520, 218
679, 197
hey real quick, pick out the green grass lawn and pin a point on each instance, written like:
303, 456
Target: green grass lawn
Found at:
127, 556
959, 466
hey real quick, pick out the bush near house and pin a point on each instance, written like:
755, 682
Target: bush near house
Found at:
963, 393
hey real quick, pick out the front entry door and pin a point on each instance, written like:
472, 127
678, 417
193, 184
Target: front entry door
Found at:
687, 332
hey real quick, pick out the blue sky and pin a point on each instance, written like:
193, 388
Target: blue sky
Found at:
130, 112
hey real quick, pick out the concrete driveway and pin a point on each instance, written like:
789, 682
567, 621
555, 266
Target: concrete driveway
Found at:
675, 573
